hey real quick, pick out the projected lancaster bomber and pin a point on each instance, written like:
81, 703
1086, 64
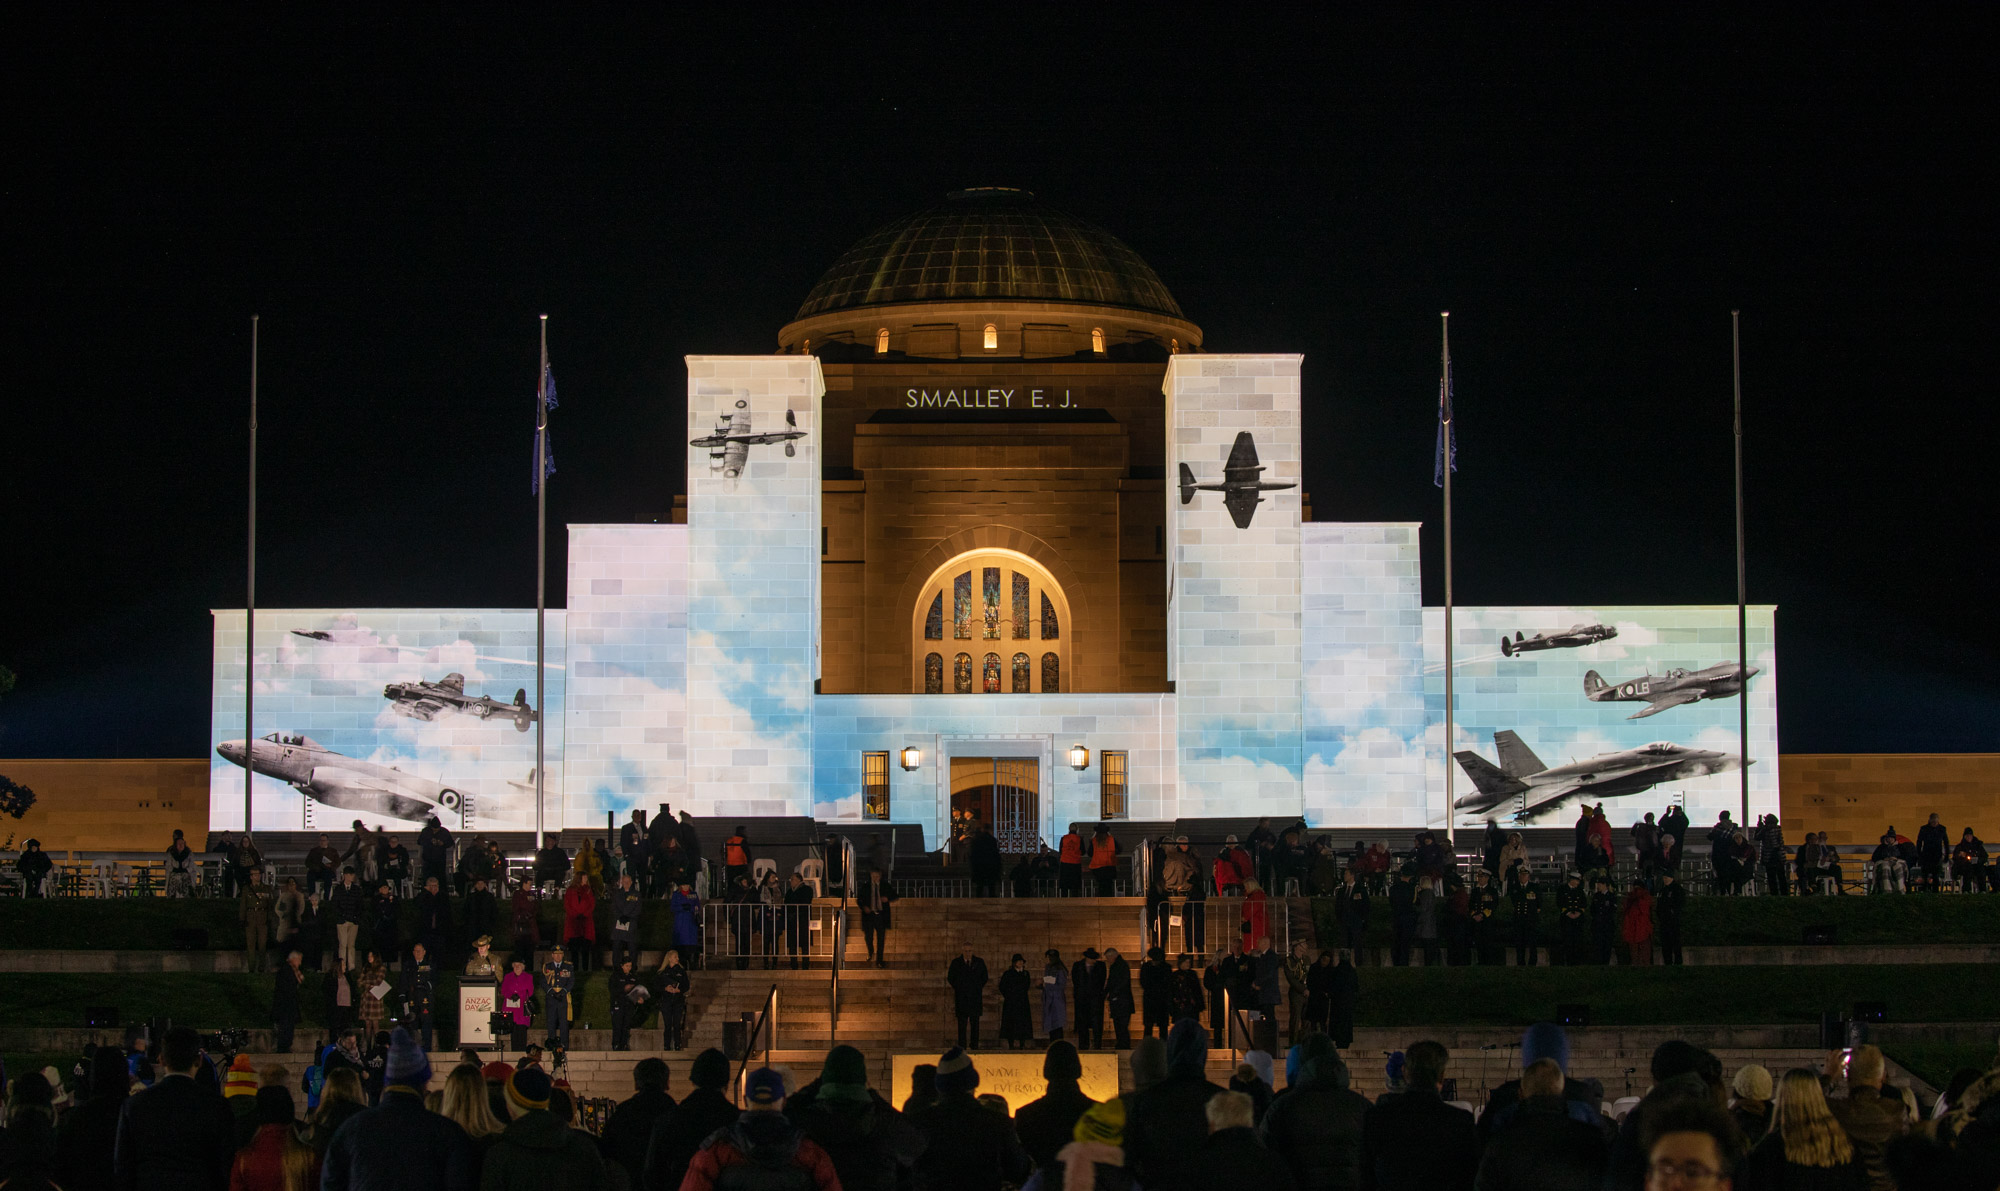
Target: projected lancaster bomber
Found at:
1520, 774
1573, 637
729, 447
428, 700
1240, 485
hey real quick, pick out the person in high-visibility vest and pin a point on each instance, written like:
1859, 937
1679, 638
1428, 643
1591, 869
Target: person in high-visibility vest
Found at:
1069, 865
735, 856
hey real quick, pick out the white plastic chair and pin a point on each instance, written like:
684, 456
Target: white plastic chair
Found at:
759, 869
812, 871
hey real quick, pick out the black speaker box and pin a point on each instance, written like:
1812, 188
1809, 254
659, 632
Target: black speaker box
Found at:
1872, 1012
101, 1017
1573, 1016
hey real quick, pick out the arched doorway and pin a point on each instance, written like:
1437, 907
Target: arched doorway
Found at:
990, 622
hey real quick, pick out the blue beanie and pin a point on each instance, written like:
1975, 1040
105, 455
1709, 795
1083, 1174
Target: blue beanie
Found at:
1545, 1040
408, 1064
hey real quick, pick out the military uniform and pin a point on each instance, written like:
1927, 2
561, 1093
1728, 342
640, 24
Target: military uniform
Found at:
1527, 898
673, 1005
558, 979
1668, 903
628, 1004
1485, 906
1573, 903
420, 994
256, 904
1604, 923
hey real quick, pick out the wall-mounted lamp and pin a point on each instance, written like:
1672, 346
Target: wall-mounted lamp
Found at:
912, 757
1079, 757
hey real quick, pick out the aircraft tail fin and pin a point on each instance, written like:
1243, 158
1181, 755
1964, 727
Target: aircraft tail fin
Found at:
1593, 682
1493, 784
1187, 483
1516, 758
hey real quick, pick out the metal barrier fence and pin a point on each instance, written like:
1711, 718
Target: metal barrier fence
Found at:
748, 931
928, 887
1201, 927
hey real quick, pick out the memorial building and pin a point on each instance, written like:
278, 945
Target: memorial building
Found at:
992, 529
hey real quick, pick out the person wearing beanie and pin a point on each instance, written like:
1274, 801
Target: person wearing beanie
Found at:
399, 1145
1094, 1157
764, 1139
239, 1091
88, 1131
967, 1147
679, 1134
1314, 1125
1046, 1125
1148, 1063
873, 1147
1165, 1124
1750, 1101
260, 1165
1546, 1040
538, 1149
1252, 1077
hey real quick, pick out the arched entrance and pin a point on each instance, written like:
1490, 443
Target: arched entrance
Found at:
990, 622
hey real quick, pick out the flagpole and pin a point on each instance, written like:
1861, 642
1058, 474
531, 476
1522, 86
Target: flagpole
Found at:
1450, 464
541, 573
1742, 584
250, 602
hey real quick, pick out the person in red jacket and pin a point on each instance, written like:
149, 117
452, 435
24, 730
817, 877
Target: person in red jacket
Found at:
1600, 830
580, 920
1256, 911
1635, 923
1069, 865
1103, 861
762, 1136
260, 1166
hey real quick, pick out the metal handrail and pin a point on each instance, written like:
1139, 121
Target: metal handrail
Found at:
840, 937
749, 1044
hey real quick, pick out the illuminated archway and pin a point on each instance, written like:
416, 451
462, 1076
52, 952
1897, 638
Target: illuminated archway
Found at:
990, 621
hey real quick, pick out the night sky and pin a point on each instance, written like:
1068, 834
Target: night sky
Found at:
398, 197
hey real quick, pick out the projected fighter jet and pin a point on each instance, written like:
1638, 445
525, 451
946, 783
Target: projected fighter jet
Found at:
1573, 637
428, 700
1239, 486
1522, 775
1670, 690
346, 782
730, 445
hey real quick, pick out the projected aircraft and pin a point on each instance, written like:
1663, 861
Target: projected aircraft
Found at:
347, 782
1672, 689
1520, 774
428, 700
1573, 637
730, 445
1239, 486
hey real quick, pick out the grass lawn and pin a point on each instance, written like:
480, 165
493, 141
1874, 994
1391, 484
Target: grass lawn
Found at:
1773, 921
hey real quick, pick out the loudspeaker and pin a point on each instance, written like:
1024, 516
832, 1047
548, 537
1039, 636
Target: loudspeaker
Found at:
1573, 1016
1872, 1012
101, 1017
1824, 934
189, 938
736, 1038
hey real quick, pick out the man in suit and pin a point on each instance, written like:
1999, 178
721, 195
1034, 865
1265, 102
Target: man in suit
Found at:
176, 1135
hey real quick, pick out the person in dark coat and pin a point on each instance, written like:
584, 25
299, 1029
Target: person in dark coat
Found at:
177, 1135
1319, 991
873, 1147
967, 1146
28, 1143
967, 977
1413, 1140
1087, 980
985, 857
1231, 1155
1048, 1124
1185, 997
1343, 994
398, 1145
679, 1134
1546, 1040
630, 1129
1314, 1125
1156, 994
1017, 1019
88, 1132
1165, 1123
1118, 998
1541, 1146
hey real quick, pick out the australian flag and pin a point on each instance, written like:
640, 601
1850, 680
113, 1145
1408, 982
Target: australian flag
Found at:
1447, 444
544, 449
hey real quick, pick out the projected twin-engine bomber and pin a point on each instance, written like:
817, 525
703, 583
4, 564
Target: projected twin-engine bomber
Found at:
1239, 486
730, 445
1574, 637
427, 701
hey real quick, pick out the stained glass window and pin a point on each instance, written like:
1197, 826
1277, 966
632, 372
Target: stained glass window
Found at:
1051, 674
961, 674
990, 674
934, 619
1021, 674
989, 587
961, 607
1020, 606
1050, 629
933, 674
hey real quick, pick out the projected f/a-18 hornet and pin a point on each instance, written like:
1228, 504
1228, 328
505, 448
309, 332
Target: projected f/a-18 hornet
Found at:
730, 445
1573, 637
428, 700
1239, 486
1672, 689
347, 782
1522, 775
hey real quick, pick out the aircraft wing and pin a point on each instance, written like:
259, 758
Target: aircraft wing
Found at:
734, 456
1687, 694
712, 440
455, 683
1242, 456
1242, 505
1555, 796
769, 436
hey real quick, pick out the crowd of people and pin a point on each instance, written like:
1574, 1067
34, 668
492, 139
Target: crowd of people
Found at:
171, 1116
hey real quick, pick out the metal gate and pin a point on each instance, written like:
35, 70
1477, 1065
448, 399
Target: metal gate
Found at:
1017, 824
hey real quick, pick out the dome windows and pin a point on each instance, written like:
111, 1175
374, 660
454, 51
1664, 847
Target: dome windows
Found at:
882, 342
1097, 341
991, 340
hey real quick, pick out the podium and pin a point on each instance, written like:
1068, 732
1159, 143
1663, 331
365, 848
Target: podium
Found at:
478, 1000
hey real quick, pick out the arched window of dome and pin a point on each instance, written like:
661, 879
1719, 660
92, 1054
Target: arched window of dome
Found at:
961, 674
1051, 673
1097, 340
1174, 347
1051, 623
989, 674
987, 595
882, 342
933, 674
992, 339
1021, 686
934, 619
